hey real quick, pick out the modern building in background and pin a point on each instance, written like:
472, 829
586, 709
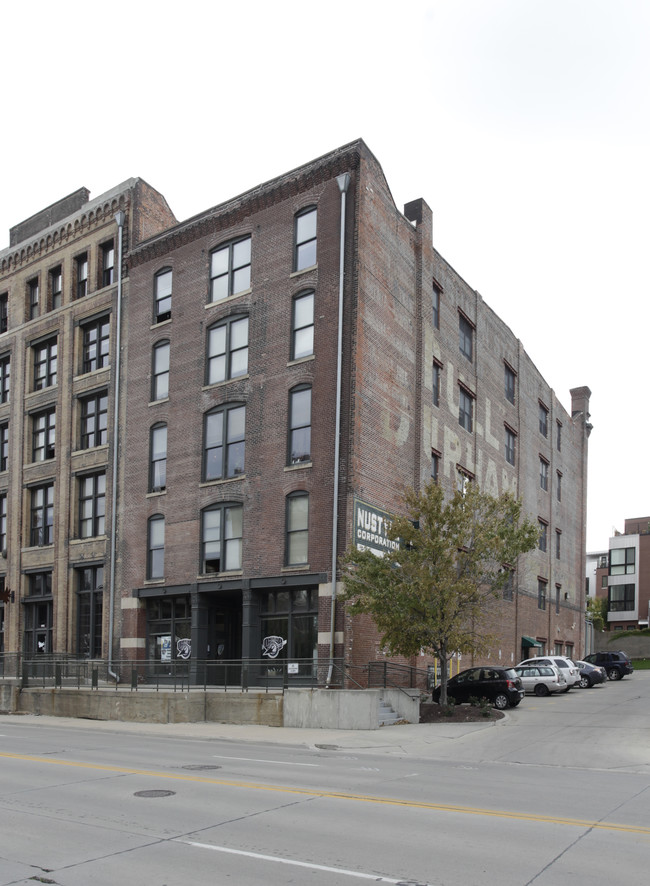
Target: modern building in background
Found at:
621, 575
291, 361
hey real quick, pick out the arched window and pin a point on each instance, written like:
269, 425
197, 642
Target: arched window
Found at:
302, 325
297, 529
160, 371
227, 350
156, 547
299, 443
158, 458
221, 538
304, 250
224, 445
230, 269
162, 308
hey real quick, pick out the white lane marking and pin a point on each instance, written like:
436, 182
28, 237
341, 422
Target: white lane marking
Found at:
255, 760
291, 861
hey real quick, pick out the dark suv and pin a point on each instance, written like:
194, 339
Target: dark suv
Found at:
502, 686
617, 664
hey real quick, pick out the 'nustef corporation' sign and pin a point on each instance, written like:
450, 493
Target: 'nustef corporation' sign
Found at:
371, 528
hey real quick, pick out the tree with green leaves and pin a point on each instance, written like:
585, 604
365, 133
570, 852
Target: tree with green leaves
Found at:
433, 592
597, 610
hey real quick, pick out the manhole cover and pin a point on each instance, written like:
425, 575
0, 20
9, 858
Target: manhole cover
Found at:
154, 794
200, 767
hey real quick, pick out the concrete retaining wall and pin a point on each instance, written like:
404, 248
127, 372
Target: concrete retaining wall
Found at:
634, 646
345, 709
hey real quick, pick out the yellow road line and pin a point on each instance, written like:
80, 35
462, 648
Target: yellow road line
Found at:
335, 795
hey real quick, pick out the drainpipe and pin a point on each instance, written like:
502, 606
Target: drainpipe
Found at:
343, 182
120, 218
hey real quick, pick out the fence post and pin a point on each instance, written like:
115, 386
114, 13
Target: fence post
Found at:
58, 681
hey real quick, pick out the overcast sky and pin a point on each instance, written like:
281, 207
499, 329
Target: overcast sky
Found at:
523, 123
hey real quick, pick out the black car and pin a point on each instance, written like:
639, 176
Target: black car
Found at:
591, 674
501, 686
617, 664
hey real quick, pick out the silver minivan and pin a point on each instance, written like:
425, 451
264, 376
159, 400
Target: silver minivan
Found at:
568, 667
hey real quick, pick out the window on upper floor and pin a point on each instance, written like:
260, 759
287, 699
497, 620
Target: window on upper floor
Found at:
297, 529
160, 371
510, 379
558, 591
543, 535
108, 263
3, 522
435, 465
543, 420
42, 516
558, 485
227, 350
221, 538
542, 590
224, 442
5, 378
466, 337
45, 364
162, 283
299, 425
158, 458
511, 439
558, 435
436, 306
4, 446
304, 252
44, 435
622, 561
230, 269
156, 547
437, 370
81, 275
466, 410
558, 544
92, 505
621, 598
32, 296
543, 473
95, 344
56, 287
4, 312
302, 325
94, 420
463, 479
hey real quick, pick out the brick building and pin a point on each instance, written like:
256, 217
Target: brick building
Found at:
59, 281
260, 436
621, 575
231, 527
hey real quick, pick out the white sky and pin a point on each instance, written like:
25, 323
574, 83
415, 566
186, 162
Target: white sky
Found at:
523, 123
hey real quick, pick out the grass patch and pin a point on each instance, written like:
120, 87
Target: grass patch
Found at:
641, 664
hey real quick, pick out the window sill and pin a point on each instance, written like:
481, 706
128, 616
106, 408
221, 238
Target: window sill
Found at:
299, 465
93, 372
223, 301
221, 481
83, 541
304, 270
149, 582
226, 381
219, 576
156, 493
300, 360
158, 402
161, 323
301, 568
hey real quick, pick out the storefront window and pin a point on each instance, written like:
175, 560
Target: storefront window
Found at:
289, 622
169, 632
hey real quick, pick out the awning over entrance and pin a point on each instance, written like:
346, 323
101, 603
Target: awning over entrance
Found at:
527, 642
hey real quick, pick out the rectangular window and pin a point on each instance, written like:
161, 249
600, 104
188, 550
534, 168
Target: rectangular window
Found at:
302, 326
5, 378
95, 346
42, 516
4, 445
437, 369
466, 410
558, 487
558, 591
297, 529
509, 383
436, 307
94, 421
45, 364
558, 544
435, 465
292, 615
56, 287
39, 615
92, 505
543, 535
158, 459
90, 598
160, 376
225, 443
108, 263
32, 294
543, 473
3, 522
304, 255
558, 439
230, 269
541, 593
621, 598
510, 446
509, 586
466, 337
4, 312
463, 479
81, 271
543, 420
622, 561
44, 435
299, 425
156, 547
221, 539
228, 350
162, 295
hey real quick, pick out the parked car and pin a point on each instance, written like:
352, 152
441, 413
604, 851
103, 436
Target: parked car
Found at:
568, 668
542, 679
501, 686
591, 674
617, 664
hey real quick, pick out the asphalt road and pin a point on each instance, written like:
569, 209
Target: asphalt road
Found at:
558, 793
